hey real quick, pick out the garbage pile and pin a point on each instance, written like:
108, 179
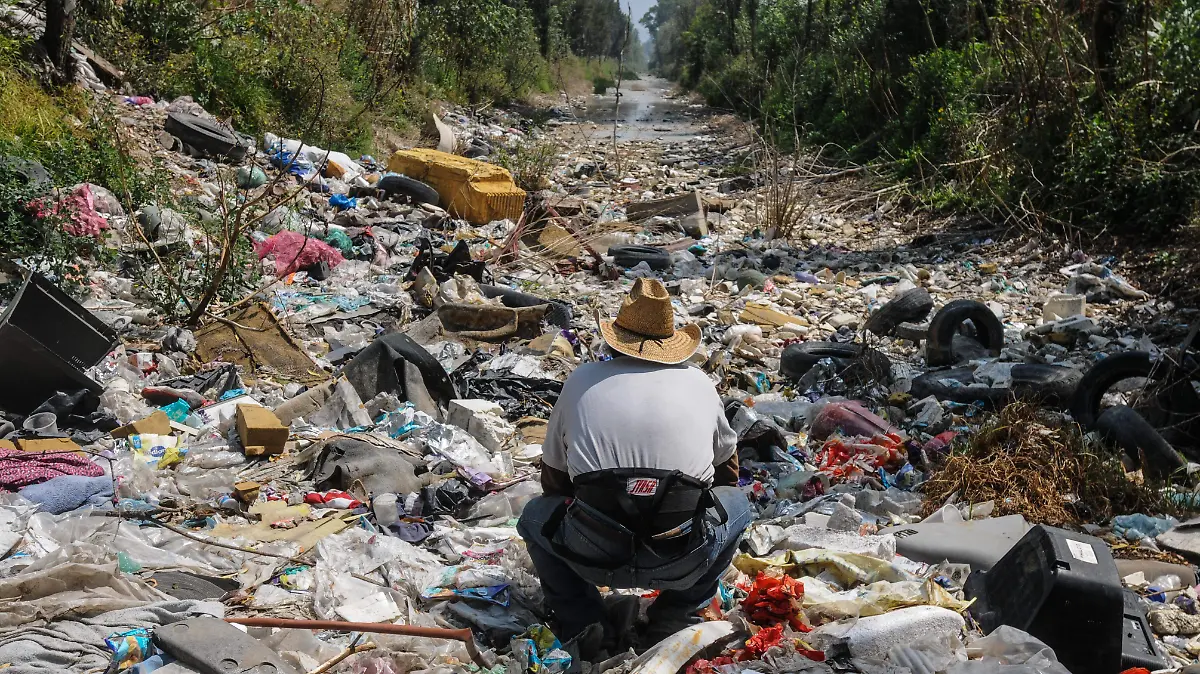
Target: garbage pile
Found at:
326, 475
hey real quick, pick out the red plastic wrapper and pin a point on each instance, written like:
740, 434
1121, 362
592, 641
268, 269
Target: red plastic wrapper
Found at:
844, 458
294, 251
774, 600
760, 642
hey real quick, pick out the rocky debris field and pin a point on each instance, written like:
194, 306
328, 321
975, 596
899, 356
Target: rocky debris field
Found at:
969, 450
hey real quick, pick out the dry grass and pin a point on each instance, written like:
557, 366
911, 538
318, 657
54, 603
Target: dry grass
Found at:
1030, 466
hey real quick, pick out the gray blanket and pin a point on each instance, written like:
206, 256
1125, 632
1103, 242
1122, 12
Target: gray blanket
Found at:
77, 646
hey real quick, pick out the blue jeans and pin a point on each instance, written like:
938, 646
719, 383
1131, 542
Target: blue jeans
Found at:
687, 581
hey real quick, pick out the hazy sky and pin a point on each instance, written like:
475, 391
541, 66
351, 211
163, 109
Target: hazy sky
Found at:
639, 7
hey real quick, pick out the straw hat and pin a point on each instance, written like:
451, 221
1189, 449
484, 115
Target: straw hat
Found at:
645, 327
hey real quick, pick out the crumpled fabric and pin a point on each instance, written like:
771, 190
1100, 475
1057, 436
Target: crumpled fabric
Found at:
380, 468
77, 645
68, 492
20, 469
294, 251
70, 589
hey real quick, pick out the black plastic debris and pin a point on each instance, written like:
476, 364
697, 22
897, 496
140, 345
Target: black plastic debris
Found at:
47, 341
394, 363
1063, 588
519, 396
445, 265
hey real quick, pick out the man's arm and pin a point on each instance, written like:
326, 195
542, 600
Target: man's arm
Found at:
725, 457
556, 481
724, 475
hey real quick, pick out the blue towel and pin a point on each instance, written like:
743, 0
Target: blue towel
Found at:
68, 492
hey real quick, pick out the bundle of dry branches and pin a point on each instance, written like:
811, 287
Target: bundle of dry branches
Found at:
1030, 465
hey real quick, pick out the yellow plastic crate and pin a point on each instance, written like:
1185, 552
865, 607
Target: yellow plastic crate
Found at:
476, 191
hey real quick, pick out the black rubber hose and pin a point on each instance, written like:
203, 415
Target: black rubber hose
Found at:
1123, 427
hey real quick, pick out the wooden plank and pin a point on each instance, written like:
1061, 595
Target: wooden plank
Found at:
99, 62
683, 204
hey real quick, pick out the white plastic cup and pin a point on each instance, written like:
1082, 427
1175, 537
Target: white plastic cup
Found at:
42, 424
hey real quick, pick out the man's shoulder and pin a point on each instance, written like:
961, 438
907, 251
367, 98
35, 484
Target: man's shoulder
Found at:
589, 374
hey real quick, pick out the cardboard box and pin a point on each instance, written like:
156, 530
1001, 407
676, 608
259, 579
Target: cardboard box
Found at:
260, 430
47, 445
157, 423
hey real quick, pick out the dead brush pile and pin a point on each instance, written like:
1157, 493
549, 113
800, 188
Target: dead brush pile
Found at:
1045, 470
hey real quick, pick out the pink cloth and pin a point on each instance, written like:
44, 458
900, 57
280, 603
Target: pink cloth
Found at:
292, 252
20, 469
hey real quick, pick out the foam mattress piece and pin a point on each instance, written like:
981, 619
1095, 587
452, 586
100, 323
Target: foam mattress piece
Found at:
980, 543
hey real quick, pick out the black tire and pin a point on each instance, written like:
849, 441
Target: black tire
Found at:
935, 384
911, 306
206, 135
939, 349
855, 363
630, 256
28, 171
1085, 405
559, 313
394, 185
1123, 427
1049, 383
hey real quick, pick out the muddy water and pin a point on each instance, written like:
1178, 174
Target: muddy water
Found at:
645, 113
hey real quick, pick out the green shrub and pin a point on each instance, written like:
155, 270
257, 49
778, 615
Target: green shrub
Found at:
999, 107
602, 83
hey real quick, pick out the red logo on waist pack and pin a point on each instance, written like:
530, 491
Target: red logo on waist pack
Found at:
642, 486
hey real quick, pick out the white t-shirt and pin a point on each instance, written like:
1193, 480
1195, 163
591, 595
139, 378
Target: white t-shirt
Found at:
630, 413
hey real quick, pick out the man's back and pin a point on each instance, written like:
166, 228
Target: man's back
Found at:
629, 413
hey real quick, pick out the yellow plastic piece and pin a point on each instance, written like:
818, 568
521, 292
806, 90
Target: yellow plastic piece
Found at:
475, 191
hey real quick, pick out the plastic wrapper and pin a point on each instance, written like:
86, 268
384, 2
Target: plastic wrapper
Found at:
823, 602
846, 568
129, 648
471, 575
774, 599
158, 451
500, 507
404, 566
456, 445
403, 648
351, 336
301, 648
453, 544
538, 651
803, 537
53, 540
205, 483
1006, 647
